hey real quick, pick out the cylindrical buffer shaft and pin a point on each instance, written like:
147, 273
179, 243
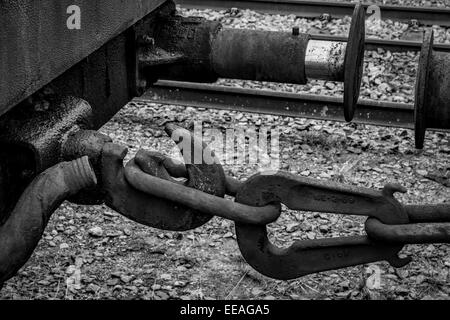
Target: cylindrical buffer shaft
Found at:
260, 55
210, 52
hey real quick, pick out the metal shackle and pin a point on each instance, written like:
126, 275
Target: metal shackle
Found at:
432, 100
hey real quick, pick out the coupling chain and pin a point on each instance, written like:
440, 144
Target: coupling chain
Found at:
426, 223
146, 191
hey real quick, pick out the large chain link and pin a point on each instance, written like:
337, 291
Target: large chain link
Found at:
389, 226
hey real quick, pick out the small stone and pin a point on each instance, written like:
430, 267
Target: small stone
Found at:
447, 262
291, 227
166, 276
306, 148
330, 85
257, 291
112, 282
401, 290
228, 235
345, 284
324, 229
118, 287
180, 284
422, 172
138, 282
92, 288
126, 278
420, 279
131, 288
402, 274
113, 234
63, 246
96, 232
162, 295
181, 268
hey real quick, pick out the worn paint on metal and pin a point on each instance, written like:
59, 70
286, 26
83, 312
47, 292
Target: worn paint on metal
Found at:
260, 55
36, 46
305, 257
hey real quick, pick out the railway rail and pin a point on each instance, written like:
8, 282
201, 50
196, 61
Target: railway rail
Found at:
277, 103
388, 45
314, 9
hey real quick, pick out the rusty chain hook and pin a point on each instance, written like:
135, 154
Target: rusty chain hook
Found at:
305, 257
151, 210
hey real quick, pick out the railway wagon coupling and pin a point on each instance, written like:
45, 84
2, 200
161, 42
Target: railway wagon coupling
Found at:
52, 152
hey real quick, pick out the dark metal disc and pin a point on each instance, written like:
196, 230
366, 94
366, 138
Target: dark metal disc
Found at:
354, 62
421, 89
3, 193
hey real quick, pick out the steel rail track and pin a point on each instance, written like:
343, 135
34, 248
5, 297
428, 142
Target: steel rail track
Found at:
313, 9
210, 96
390, 45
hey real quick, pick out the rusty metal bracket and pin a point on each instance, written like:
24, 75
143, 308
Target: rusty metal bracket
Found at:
305, 257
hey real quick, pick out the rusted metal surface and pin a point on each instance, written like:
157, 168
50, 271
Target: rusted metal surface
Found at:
31, 141
418, 233
427, 213
152, 210
43, 131
191, 38
20, 234
305, 257
36, 45
260, 55
178, 170
432, 104
87, 143
427, 224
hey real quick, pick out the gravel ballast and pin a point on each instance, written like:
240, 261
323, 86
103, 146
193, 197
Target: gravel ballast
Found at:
94, 253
